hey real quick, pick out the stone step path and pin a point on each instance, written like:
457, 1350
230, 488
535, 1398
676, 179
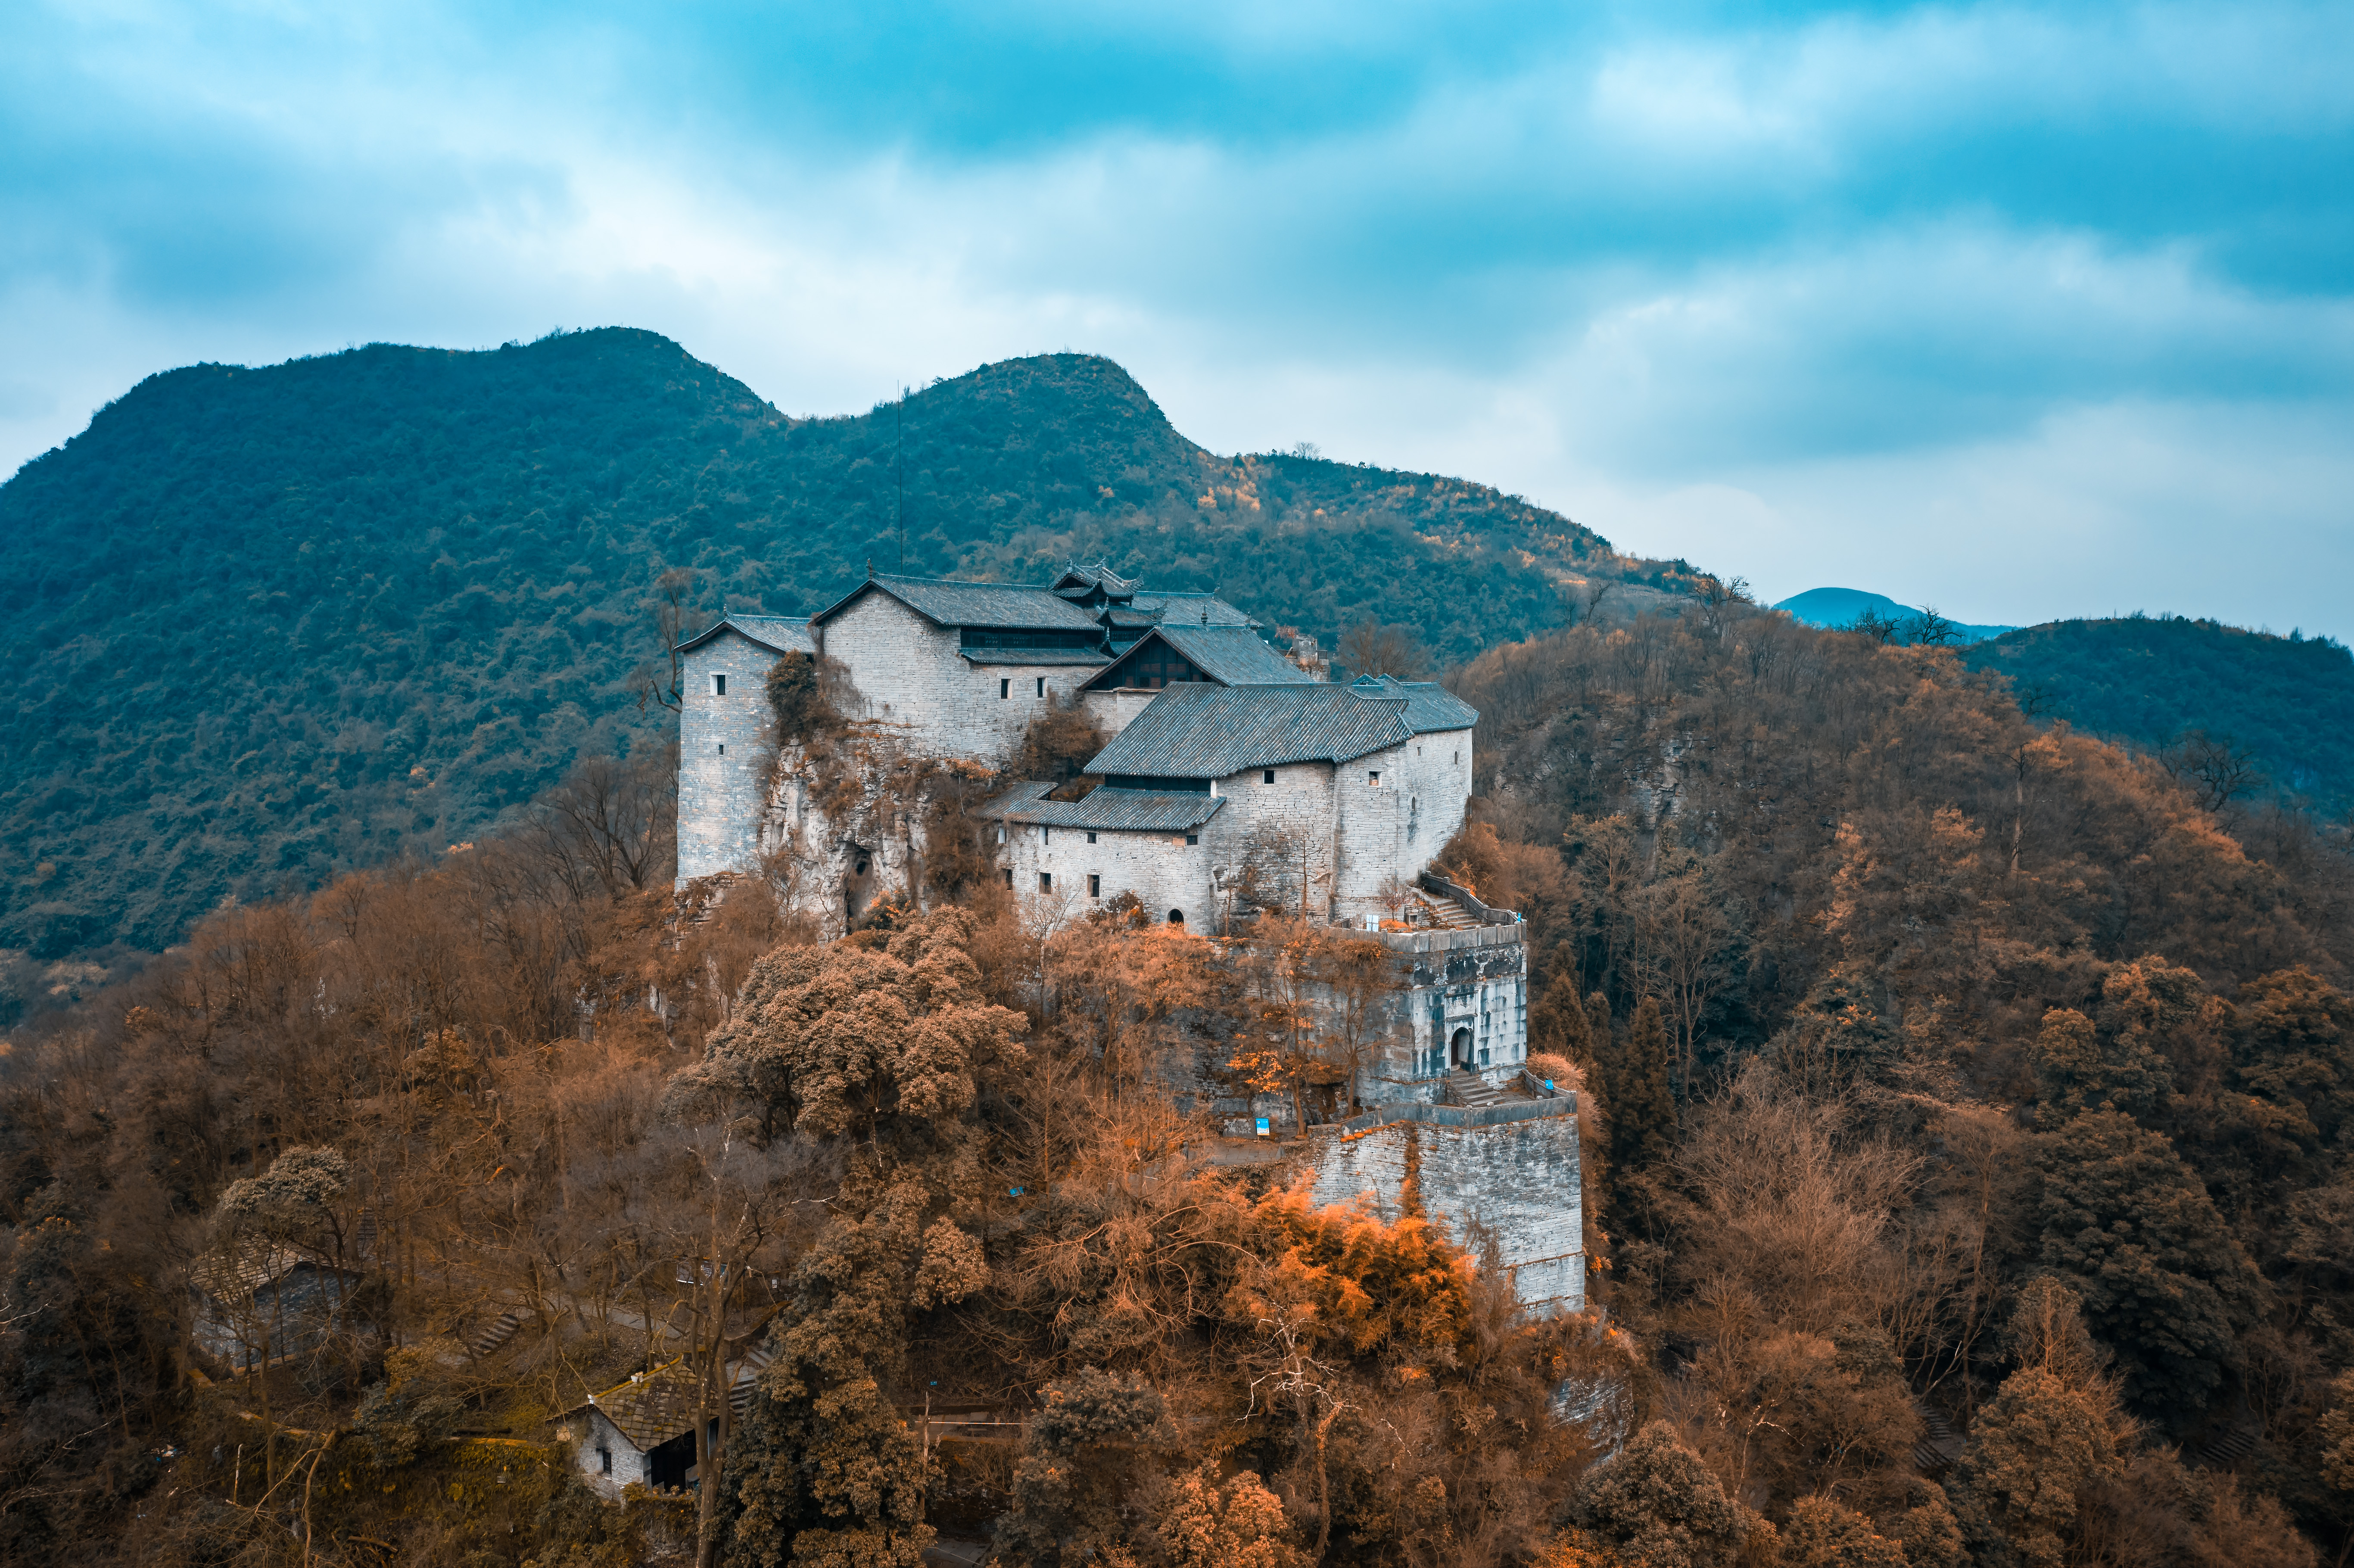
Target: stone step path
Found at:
1941, 1445
1447, 915
747, 1375
1471, 1090
491, 1338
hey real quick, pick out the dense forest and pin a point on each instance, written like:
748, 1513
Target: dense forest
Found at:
1965, 1123
273, 625
2183, 688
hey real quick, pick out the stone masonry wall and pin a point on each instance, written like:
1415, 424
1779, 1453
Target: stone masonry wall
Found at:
1259, 818
724, 746
1475, 980
1398, 828
1521, 1179
1162, 870
915, 679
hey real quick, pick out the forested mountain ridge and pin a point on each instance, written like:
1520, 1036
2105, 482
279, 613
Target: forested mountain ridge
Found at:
272, 624
2285, 704
1967, 1163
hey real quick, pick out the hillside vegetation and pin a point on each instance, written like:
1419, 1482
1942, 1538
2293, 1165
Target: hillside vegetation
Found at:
2152, 680
267, 625
1967, 1142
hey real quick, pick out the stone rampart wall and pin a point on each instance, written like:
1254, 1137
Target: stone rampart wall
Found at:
1518, 1179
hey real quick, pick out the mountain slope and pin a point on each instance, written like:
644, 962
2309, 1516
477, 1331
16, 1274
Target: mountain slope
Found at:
2146, 680
267, 625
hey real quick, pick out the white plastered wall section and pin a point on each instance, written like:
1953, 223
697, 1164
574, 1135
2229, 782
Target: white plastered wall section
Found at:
1395, 829
630, 1466
724, 746
913, 677
1274, 822
1162, 870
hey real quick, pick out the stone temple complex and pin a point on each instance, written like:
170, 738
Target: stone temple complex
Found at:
1235, 778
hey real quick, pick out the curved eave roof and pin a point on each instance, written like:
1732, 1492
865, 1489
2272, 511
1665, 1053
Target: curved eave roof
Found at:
778, 633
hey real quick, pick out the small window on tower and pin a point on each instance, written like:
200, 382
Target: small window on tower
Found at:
1046, 882
1267, 777
1374, 779
1006, 688
1009, 876
605, 1461
1193, 838
1094, 882
718, 686
1041, 685
723, 748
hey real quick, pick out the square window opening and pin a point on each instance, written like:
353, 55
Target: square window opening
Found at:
1091, 838
1374, 780
1267, 777
1193, 838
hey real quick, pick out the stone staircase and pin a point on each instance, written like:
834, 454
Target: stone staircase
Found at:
1472, 1092
492, 1340
747, 1375
1447, 915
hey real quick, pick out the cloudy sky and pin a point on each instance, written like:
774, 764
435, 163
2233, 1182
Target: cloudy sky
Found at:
2023, 312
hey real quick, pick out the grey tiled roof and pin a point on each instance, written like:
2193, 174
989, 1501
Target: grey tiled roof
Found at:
974, 604
1107, 811
780, 633
1202, 731
1428, 705
1099, 574
1036, 656
1191, 608
1231, 656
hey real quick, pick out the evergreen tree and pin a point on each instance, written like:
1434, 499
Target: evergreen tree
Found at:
2033, 1450
2076, 1069
1642, 1107
1557, 1023
2164, 1283
1822, 1534
1657, 1504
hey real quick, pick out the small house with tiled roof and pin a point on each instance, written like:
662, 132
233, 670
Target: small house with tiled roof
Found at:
641, 1432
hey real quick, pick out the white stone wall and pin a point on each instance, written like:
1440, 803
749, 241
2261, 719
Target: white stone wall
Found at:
1520, 1179
1396, 829
724, 746
913, 677
1162, 870
1296, 809
629, 1463
1113, 711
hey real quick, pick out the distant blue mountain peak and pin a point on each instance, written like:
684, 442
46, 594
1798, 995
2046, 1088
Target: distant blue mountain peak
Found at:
1839, 607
